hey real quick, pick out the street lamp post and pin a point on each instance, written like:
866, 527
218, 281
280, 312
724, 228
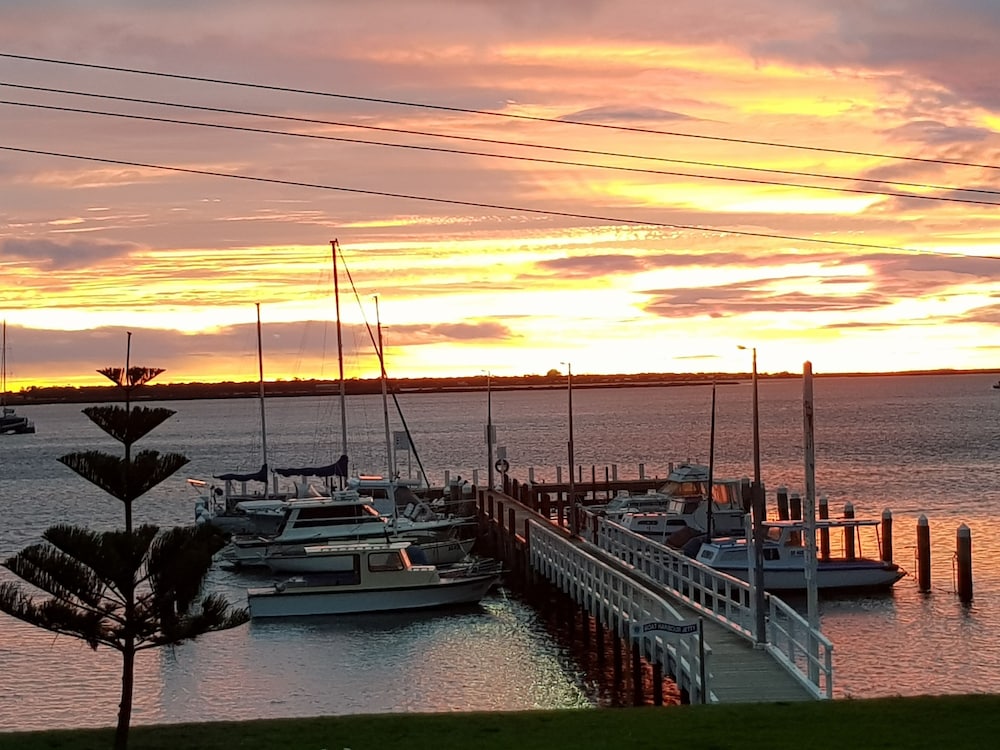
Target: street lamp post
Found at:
758, 508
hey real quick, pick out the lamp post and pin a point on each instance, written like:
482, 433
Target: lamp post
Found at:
758, 508
489, 429
572, 461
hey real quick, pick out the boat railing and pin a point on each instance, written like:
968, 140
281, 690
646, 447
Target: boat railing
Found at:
728, 601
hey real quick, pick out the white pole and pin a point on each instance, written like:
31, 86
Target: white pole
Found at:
809, 512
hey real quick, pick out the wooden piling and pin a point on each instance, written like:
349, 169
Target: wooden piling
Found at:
963, 558
887, 535
795, 506
849, 532
824, 534
638, 698
782, 502
923, 554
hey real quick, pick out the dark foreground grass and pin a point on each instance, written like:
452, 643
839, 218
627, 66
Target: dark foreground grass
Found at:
940, 723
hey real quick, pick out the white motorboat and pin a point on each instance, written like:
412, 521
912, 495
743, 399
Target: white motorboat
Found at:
370, 577
785, 558
324, 558
309, 521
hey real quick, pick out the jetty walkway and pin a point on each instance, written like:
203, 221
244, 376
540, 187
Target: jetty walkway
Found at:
682, 617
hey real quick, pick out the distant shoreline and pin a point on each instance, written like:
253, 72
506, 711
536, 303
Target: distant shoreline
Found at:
296, 388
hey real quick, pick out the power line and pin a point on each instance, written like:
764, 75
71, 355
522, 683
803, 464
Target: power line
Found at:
476, 204
488, 113
511, 157
495, 141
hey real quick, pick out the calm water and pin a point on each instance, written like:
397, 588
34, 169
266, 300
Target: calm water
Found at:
915, 445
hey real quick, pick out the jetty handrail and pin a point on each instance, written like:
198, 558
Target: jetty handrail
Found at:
620, 601
803, 651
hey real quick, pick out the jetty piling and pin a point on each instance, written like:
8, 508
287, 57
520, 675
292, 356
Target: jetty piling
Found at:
782, 502
963, 560
923, 554
887, 535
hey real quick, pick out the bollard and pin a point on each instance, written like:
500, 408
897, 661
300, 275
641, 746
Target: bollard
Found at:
795, 506
849, 532
824, 534
964, 559
887, 535
782, 500
923, 554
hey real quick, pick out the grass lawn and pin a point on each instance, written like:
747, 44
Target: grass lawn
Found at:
938, 723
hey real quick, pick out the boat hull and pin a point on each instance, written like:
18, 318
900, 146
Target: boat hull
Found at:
836, 576
276, 601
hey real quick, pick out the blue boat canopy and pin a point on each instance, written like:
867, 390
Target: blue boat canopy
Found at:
338, 469
258, 476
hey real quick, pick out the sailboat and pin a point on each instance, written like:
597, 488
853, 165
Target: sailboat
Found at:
395, 498
10, 422
238, 510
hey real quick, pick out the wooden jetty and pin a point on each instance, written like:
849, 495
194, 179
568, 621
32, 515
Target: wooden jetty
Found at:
637, 590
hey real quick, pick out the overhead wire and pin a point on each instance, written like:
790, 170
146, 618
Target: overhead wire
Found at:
490, 113
511, 157
476, 139
479, 204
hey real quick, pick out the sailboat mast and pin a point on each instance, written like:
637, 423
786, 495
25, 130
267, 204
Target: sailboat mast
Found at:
3, 367
390, 463
334, 247
260, 382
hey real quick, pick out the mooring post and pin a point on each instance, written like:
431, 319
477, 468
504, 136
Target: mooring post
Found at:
782, 501
824, 534
923, 554
795, 506
964, 560
887, 535
642, 471
849, 532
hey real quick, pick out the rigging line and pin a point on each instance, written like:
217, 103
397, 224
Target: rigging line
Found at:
381, 359
488, 113
509, 157
494, 141
475, 204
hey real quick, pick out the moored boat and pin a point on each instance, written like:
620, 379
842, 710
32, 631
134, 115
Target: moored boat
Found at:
784, 563
369, 577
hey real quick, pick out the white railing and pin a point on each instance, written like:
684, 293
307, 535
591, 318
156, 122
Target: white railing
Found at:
619, 603
805, 652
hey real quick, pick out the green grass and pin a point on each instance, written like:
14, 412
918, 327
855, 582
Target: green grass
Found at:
938, 723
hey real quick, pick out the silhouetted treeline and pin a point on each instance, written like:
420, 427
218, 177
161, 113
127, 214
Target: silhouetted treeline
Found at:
290, 388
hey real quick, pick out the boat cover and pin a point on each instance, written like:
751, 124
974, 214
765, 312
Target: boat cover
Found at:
338, 469
258, 476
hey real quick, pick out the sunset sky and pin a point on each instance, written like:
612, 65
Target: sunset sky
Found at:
623, 185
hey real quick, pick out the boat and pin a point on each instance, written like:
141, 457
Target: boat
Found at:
997, 384
11, 423
369, 577
235, 509
346, 515
324, 558
785, 558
